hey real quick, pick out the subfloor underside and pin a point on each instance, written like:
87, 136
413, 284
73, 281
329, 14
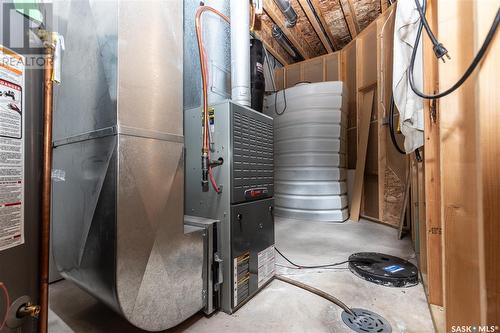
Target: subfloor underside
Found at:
281, 307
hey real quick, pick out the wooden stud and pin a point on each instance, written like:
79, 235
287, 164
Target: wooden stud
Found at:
432, 172
359, 176
316, 25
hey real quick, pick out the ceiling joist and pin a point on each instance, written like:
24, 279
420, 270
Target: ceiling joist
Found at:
350, 17
316, 25
316, 7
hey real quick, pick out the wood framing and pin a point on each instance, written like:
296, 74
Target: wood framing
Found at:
350, 17
364, 126
434, 228
325, 25
277, 19
316, 25
319, 69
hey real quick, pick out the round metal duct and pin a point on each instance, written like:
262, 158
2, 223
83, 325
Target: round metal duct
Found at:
310, 152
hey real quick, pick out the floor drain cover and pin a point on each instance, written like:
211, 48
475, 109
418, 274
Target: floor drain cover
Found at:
383, 269
366, 322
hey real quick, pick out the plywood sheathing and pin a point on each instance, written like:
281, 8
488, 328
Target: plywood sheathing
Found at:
335, 21
366, 11
266, 35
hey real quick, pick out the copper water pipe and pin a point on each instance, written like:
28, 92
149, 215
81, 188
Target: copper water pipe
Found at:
46, 189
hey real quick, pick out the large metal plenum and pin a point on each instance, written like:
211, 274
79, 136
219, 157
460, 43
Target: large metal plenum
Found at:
118, 169
217, 41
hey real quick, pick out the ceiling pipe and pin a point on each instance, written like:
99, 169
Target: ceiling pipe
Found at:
240, 52
284, 43
287, 10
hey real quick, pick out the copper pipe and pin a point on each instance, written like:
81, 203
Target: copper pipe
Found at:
46, 190
205, 151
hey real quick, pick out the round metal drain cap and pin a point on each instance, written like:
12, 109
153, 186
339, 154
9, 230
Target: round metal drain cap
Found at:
383, 269
366, 322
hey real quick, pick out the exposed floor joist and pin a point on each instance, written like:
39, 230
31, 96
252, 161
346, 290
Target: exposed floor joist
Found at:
316, 25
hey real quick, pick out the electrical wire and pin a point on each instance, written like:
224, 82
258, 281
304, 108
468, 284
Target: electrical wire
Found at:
275, 91
7, 304
391, 127
318, 292
204, 75
477, 59
315, 266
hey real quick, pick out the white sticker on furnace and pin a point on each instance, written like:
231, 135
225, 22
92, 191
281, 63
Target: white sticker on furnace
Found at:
266, 265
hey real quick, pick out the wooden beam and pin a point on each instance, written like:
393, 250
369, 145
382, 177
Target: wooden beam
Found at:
316, 25
275, 14
353, 16
383, 5
349, 14
460, 152
359, 176
432, 172
316, 7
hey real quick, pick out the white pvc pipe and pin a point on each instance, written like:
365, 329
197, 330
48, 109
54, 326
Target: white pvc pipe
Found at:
240, 52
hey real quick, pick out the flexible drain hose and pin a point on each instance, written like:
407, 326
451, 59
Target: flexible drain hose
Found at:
316, 291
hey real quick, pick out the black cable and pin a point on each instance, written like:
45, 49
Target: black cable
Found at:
276, 102
274, 87
316, 266
418, 156
391, 127
477, 59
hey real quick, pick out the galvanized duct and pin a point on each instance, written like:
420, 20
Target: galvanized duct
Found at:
118, 167
240, 52
310, 152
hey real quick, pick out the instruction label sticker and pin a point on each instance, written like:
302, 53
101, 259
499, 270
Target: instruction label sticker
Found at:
11, 149
241, 278
266, 265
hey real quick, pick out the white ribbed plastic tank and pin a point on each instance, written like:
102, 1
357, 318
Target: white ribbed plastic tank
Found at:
310, 152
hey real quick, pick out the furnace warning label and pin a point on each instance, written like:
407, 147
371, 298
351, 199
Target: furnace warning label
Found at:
241, 278
11, 150
266, 265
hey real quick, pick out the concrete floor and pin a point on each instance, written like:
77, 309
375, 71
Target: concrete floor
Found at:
281, 307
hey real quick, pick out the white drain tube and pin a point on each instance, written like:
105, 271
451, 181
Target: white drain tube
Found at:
240, 52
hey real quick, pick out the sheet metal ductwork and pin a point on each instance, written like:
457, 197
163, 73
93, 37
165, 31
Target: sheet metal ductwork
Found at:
118, 171
240, 52
287, 10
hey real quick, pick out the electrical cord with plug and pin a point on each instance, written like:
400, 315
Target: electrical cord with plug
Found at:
440, 51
